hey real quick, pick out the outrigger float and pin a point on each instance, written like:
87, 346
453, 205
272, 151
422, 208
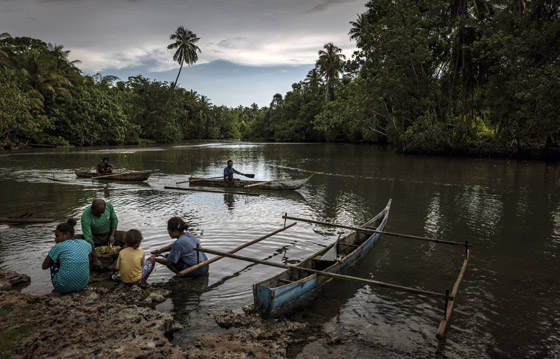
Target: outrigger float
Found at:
299, 284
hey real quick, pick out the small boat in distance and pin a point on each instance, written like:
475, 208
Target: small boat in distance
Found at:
125, 176
294, 288
280, 184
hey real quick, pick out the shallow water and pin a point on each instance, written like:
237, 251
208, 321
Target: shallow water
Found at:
509, 300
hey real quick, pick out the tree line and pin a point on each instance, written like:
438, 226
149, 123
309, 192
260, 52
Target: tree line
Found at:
460, 76
432, 76
45, 99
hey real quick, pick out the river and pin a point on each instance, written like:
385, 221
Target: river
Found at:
509, 300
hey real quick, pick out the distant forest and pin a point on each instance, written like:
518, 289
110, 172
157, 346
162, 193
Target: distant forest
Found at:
448, 77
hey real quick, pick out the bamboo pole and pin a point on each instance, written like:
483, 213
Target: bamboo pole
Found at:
265, 182
25, 220
211, 190
369, 230
198, 179
212, 260
327, 274
449, 309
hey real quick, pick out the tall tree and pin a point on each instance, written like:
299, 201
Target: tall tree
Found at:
358, 29
330, 65
185, 43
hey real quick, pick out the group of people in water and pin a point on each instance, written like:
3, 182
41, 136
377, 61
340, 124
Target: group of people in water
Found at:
69, 259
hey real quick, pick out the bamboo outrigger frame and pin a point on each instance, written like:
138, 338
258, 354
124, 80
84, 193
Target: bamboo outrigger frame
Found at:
212, 191
449, 298
218, 257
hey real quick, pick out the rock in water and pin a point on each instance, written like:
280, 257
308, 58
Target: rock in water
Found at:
11, 280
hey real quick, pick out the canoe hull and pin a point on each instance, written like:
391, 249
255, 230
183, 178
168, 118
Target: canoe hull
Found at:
272, 185
274, 297
128, 176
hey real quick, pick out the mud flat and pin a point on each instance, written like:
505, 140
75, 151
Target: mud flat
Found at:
115, 320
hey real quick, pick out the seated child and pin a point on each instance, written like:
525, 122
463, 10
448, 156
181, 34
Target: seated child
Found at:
131, 263
68, 260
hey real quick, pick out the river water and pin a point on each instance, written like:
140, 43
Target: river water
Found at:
509, 300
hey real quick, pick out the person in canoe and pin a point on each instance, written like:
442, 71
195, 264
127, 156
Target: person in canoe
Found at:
182, 252
99, 227
229, 171
104, 168
68, 260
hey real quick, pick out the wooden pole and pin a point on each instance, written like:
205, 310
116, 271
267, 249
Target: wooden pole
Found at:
374, 231
327, 274
265, 182
198, 179
211, 190
212, 260
25, 220
449, 308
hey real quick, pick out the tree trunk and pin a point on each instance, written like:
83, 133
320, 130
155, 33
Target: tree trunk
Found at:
177, 79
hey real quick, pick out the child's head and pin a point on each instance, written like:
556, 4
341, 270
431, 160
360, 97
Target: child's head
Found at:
176, 225
132, 238
64, 231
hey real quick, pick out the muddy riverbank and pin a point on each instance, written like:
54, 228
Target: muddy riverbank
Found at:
115, 320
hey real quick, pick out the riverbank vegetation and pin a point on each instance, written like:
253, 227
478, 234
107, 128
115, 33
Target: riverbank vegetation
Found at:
431, 76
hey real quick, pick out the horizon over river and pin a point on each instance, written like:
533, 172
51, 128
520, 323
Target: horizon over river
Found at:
508, 304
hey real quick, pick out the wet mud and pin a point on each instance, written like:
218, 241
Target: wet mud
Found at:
110, 319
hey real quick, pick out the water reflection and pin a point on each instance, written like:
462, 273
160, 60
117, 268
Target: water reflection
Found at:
509, 211
229, 201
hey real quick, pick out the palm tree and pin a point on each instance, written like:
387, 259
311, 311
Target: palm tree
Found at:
186, 49
330, 66
313, 80
358, 29
277, 101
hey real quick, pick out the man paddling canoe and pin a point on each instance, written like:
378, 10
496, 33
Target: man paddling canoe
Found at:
229, 171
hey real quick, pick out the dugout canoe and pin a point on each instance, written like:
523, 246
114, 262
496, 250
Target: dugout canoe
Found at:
291, 288
282, 184
125, 176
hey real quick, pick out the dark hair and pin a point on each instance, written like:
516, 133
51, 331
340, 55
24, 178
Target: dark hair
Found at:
177, 224
98, 203
67, 227
133, 238
105, 158
229, 161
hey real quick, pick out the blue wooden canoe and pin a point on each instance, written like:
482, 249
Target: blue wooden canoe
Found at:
292, 288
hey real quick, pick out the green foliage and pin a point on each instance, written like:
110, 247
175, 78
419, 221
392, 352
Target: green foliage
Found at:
435, 76
91, 116
16, 122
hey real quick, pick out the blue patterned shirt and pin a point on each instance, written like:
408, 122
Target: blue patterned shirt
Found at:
73, 274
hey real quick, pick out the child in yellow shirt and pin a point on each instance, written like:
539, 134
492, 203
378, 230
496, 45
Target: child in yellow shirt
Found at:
131, 263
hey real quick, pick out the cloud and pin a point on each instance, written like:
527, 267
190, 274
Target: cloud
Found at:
232, 43
133, 34
325, 5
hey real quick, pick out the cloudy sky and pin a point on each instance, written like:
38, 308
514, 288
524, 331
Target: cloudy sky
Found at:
251, 49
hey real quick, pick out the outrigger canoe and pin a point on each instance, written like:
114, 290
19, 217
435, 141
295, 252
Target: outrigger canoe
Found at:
126, 176
275, 184
294, 288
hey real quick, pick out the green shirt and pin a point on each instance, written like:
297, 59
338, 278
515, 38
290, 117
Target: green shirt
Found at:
91, 224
